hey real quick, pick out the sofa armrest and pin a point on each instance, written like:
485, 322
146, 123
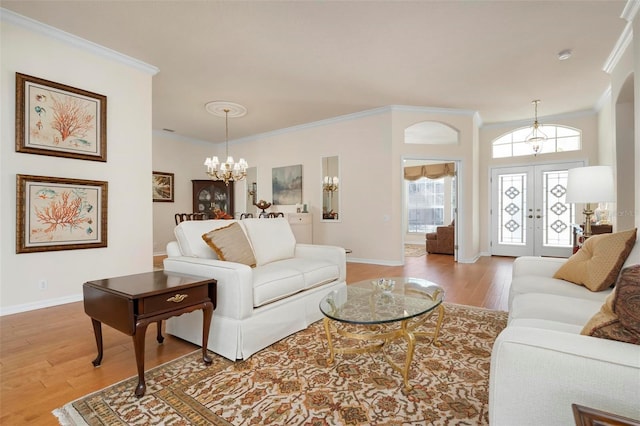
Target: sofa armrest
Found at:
173, 249
235, 282
536, 375
536, 265
330, 254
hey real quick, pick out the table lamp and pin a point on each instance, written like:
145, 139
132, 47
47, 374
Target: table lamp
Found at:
590, 185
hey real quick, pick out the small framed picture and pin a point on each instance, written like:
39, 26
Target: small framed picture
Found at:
59, 120
55, 213
162, 184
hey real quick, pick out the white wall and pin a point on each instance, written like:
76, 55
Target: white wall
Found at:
625, 123
184, 158
370, 146
463, 152
44, 52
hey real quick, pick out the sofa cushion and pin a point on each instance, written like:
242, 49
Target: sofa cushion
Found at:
597, 264
275, 281
552, 307
189, 237
315, 272
231, 244
546, 325
271, 239
525, 284
619, 316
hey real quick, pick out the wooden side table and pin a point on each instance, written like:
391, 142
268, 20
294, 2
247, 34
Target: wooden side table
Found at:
586, 416
130, 303
579, 239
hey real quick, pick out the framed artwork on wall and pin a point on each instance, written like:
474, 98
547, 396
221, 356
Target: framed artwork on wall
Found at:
286, 184
59, 120
55, 213
162, 184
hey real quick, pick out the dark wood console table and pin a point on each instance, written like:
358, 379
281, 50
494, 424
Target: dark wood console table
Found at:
130, 303
579, 239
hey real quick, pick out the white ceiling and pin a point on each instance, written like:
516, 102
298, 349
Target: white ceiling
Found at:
295, 62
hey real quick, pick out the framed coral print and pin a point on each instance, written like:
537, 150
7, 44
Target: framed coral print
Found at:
59, 120
162, 184
60, 214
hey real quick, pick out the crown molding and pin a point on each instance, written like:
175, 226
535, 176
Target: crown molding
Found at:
73, 40
630, 10
618, 50
628, 14
181, 138
355, 116
547, 119
604, 98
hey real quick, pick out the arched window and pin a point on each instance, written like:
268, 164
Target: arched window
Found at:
431, 133
559, 139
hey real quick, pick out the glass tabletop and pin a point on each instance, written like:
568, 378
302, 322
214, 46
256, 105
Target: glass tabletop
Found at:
365, 302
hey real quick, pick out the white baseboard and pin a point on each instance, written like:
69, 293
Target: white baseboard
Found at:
16, 309
374, 261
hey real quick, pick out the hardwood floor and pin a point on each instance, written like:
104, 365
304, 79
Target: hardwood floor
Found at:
45, 355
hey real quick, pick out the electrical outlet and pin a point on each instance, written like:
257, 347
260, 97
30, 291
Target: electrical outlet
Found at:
42, 284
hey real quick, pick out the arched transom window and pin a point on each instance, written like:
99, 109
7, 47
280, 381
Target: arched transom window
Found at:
559, 139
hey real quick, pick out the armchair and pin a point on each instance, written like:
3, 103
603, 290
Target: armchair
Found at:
441, 241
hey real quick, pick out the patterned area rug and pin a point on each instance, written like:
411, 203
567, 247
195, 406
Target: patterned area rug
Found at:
290, 383
414, 250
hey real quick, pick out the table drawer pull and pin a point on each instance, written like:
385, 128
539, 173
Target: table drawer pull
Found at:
177, 298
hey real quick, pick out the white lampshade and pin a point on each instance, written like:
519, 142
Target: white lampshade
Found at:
593, 184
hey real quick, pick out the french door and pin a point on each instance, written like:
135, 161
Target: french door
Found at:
529, 216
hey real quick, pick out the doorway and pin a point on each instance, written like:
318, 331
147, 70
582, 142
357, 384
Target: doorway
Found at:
529, 216
430, 193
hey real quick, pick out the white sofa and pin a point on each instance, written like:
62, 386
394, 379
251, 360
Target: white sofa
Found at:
257, 306
541, 364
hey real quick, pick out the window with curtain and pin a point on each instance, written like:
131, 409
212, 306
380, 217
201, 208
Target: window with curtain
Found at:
559, 139
425, 204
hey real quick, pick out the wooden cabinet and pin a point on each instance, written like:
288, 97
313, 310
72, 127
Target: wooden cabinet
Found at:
213, 197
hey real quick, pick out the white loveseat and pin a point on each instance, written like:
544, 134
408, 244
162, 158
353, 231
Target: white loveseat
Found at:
257, 306
541, 364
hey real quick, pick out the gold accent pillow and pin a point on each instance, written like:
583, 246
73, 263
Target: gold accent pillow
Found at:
619, 317
231, 244
597, 264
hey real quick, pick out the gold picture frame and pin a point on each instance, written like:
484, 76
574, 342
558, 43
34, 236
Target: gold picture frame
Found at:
59, 120
54, 213
162, 186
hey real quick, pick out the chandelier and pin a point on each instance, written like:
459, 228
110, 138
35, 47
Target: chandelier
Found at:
536, 138
330, 184
229, 171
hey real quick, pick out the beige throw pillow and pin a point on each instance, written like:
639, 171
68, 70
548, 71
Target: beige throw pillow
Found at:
619, 317
597, 264
231, 244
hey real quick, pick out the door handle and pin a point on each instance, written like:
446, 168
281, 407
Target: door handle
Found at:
538, 216
530, 216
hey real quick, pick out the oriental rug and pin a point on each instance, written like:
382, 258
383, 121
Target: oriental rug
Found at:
290, 383
414, 250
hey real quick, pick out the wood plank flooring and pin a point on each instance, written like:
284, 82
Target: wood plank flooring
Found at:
45, 355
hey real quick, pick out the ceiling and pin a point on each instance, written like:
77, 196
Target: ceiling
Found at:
295, 62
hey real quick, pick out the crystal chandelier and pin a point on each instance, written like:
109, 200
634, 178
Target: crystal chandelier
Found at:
536, 138
229, 171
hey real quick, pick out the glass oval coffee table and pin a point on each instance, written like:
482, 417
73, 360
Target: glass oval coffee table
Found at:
365, 312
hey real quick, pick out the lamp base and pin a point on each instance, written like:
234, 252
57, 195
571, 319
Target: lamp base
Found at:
588, 212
